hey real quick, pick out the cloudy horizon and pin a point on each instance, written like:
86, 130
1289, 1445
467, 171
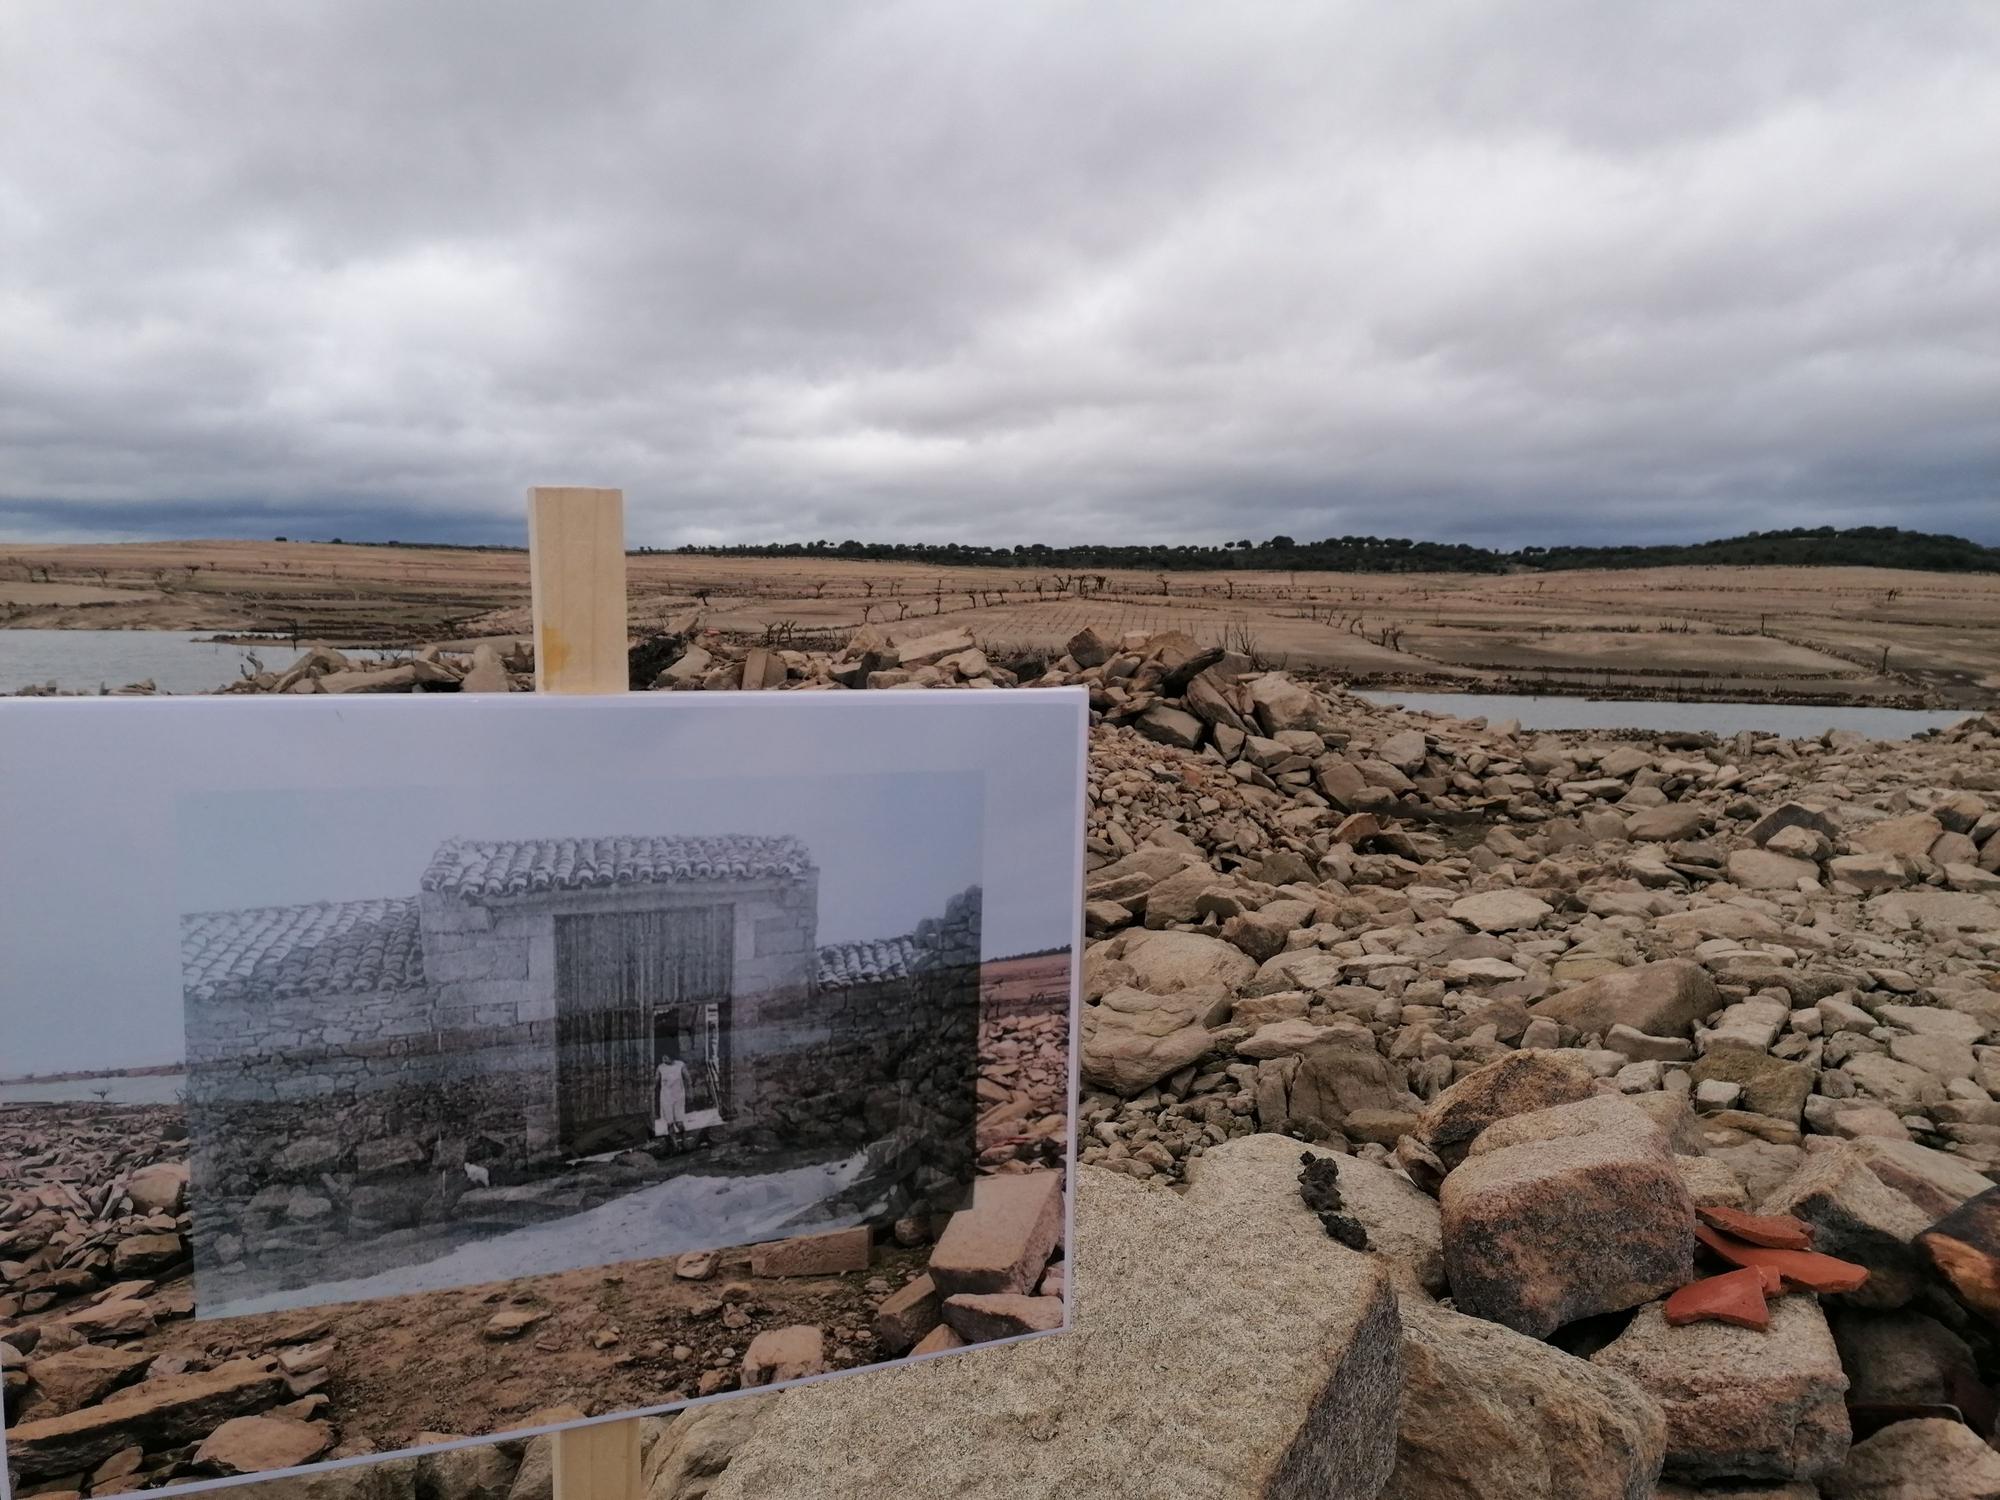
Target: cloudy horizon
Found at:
1503, 274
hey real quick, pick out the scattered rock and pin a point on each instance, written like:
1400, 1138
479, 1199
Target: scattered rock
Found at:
256, 1445
1741, 1404
1926, 1459
1490, 1412
1298, 1395
1538, 1235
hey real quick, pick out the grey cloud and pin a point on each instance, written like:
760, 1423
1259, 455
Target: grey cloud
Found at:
1502, 272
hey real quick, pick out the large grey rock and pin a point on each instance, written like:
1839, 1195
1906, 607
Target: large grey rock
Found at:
1792, 815
1490, 1414
1300, 969
1295, 1340
1910, 836
1510, 1085
1170, 726
1935, 1182
1856, 1217
1541, 1234
691, 1451
1902, 1359
1741, 1404
1928, 1459
1132, 1039
1314, 1090
1660, 999
1401, 1219
1600, 1112
1500, 911
1767, 870
1165, 963
1669, 824
1771, 1085
1281, 703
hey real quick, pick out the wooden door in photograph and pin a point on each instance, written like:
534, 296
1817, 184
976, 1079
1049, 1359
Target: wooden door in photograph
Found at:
614, 972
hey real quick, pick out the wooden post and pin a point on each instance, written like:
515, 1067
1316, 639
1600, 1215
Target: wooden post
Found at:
576, 570
598, 1463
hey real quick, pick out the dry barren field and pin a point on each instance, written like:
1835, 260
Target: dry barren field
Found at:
1858, 635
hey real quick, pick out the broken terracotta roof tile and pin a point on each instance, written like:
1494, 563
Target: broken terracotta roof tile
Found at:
1805, 1269
1733, 1297
1775, 1231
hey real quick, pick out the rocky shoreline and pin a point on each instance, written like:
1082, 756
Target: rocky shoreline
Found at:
1559, 1004
113, 1384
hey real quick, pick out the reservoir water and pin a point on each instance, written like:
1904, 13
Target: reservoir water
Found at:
1792, 720
147, 1088
85, 660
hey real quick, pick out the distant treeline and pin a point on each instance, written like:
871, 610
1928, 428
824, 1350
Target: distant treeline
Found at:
1821, 546
1801, 546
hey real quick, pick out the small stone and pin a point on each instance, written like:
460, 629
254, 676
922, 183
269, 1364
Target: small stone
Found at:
1714, 1093
1500, 911
1003, 1241
511, 1323
695, 1265
832, 1254
905, 1316
1657, 999
979, 1317
255, 1445
784, 1354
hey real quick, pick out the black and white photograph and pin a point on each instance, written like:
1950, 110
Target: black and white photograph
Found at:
611, 1035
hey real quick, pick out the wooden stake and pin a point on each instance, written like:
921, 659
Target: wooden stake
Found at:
576, 569
598, 1463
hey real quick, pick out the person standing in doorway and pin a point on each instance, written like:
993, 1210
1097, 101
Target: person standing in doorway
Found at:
670, 1082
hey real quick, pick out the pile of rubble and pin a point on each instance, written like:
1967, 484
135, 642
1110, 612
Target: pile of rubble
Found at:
93, 1255
1588, 1022
1586, 1019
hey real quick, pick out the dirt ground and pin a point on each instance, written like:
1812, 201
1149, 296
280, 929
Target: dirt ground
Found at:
608, 1338
1835, 635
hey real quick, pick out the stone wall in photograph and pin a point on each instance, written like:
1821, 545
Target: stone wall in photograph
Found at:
883, 1063
339, 1118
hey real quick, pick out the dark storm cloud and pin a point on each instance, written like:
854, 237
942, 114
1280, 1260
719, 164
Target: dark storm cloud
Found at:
926, 271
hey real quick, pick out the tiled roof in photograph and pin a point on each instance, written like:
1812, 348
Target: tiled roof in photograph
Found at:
280, 952
845, 964
513, 867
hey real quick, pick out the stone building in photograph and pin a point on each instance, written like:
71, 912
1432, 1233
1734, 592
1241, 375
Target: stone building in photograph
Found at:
385, 1078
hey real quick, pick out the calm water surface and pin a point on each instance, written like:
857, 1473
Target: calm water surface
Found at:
85, 660
151, 1088
1792, 720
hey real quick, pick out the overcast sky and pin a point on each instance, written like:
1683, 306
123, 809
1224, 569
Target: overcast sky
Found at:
938, 271
138, 810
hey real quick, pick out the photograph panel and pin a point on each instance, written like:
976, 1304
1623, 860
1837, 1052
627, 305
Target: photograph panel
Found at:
420, 1107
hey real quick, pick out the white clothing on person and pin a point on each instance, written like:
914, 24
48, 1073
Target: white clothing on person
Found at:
671, 1079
